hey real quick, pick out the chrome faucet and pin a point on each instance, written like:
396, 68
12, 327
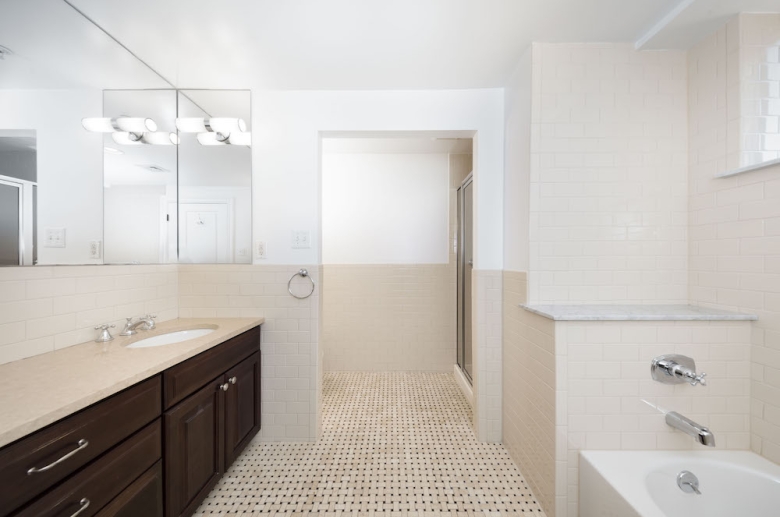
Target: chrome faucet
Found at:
688, 426
145, 322
676, 369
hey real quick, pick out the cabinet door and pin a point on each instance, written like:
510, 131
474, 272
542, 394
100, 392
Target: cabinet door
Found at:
142, 498
194, 448
242, 406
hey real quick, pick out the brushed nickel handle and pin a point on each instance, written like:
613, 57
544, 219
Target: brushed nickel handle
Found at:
224, 387
84, 505
82, 444
233, 380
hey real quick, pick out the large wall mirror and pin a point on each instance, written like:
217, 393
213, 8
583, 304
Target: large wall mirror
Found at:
106, 190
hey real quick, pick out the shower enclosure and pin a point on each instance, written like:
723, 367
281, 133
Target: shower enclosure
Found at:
465, 267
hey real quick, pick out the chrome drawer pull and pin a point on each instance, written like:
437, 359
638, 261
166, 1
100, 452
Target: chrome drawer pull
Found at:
233, 380
84, 505
82, 445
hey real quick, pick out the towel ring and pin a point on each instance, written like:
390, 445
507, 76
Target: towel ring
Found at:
305, 274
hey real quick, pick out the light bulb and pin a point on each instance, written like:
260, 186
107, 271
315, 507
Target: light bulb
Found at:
123, 124
160, 138
135, 124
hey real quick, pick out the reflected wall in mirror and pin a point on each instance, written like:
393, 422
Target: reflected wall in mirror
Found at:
18, 196
54, 75
215, 177
139, 183
753, 46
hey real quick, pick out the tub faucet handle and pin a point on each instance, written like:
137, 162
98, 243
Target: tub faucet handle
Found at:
676, 369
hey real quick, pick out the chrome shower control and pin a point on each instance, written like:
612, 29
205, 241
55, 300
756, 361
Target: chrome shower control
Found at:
676, 369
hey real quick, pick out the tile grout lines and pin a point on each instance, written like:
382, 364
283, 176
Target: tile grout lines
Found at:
396, 443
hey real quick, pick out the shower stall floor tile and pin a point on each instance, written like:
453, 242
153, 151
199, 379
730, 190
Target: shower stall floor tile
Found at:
395, 443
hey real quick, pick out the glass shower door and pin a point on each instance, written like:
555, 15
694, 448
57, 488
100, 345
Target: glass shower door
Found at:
465, 267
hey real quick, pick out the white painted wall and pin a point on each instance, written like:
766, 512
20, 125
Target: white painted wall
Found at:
517, 164
286, 156
385, 208
133, 224
70, 165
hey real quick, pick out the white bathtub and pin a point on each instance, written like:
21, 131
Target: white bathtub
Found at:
644, 484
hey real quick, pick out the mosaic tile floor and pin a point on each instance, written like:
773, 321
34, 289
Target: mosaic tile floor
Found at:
392, 444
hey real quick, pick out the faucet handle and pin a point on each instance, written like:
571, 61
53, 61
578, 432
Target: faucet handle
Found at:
104, 335
699, 379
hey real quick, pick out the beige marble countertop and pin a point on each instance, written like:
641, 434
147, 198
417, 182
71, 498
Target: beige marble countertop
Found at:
40, 390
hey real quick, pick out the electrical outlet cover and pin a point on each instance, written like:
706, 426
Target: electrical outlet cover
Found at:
261, 250
54, 238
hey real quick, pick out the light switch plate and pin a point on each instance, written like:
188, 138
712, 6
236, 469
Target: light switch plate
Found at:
301, 239
55, 238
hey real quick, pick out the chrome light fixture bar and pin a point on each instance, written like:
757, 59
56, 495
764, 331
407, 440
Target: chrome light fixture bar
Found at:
223, 125
119, 124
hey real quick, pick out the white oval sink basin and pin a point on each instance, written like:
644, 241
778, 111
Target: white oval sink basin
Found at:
170, 338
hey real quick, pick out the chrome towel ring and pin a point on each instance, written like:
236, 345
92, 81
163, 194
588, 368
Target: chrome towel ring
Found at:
305, 274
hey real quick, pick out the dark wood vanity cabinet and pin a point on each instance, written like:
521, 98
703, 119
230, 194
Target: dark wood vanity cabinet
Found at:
205, 432
155, 449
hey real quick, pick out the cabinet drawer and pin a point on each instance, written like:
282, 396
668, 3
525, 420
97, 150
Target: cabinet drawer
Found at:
186, 378
35, 463
143, 498
99, 483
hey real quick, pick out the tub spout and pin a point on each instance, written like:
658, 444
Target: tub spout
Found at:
688, 426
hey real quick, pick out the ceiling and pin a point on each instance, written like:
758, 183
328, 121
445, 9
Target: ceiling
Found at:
691, 20
350, 44
323, 44
55, 47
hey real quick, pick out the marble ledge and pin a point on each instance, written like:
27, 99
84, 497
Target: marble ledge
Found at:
635, 313
43, 389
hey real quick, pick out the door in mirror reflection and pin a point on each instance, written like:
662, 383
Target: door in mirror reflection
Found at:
18, 182
215, 176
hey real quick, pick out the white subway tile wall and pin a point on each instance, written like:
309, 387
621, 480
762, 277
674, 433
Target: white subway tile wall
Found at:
735, 227
487, 345
44, 308
389, 317
291, 370
528, 405
606, 399
608, 203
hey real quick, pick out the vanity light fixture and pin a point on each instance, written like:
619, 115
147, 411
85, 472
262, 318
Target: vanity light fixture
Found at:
225, 139
112, 150
148, 138
119, 124
223, 125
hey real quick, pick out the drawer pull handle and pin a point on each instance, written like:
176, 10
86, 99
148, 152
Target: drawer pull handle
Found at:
233, 380
224, 387
84, 505
82, 444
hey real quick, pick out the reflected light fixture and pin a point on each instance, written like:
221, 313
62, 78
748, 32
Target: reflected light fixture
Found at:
211, 125
112, 150
150, 138
225, 139
119, 124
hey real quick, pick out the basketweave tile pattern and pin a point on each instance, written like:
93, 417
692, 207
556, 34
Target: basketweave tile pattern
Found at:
393, 443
